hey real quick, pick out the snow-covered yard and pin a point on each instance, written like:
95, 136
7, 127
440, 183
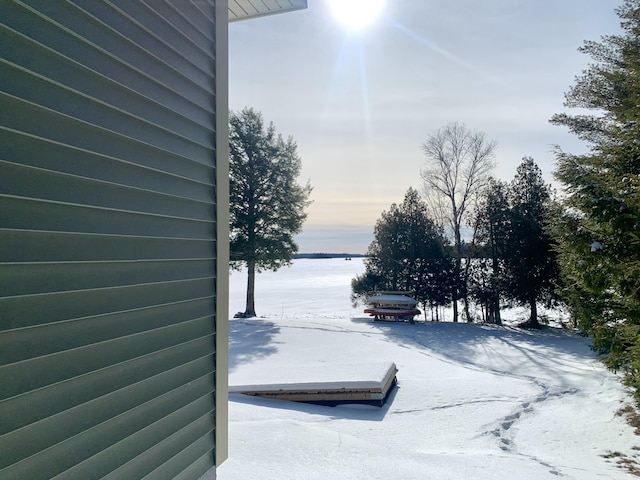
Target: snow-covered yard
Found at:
473, 401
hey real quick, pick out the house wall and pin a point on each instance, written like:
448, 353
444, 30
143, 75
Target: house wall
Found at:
113, 244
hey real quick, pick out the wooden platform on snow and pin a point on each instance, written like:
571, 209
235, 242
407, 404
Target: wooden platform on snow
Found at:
330, 384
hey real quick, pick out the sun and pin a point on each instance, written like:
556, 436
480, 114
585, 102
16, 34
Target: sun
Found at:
356, 14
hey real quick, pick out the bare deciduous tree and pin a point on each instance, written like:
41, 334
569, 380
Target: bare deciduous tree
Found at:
458, 164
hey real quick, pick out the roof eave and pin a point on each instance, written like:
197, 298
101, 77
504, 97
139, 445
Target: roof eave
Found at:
237, 12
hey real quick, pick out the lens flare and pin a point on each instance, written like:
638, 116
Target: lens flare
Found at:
356, 14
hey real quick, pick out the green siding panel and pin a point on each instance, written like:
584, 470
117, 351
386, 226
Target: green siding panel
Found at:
94, 452
23, 84
26, 343
36, 405
70, 30
58, 277
40, 121
23, 181
40, 246
25, 150
23, 213
52, 430
35, 373
187, 18
107, 239
143, 95
187, 463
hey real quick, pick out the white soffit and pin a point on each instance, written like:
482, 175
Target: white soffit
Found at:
243, 9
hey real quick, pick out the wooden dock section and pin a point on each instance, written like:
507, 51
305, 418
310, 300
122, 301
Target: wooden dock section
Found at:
349, 386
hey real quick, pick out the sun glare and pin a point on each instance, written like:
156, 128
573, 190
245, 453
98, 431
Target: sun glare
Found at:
356, 14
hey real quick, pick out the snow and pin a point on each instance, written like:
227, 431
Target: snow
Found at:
472, 402
392, 299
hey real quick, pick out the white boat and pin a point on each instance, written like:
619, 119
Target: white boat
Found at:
392, 306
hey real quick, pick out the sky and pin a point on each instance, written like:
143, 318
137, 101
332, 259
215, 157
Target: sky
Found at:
359, 104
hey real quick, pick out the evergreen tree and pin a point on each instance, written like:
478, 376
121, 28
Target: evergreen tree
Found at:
267, 205
492, 230
408, 253
531, 266
599, 231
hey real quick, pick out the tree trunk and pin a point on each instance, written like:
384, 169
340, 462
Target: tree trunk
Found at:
495, 292
533, 318
455, 307
465, 299
250, 309
458, 244
465, 290
457, 289
496, 309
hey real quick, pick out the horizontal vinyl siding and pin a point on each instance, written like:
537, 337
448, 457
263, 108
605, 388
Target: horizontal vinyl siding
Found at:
107, 239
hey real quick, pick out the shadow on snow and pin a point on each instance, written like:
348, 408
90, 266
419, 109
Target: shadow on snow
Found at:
369, 413
250, 340
487, 347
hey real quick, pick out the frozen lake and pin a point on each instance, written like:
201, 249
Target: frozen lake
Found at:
321, 288
310, 288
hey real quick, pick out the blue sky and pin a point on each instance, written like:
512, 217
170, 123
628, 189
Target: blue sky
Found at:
359, 104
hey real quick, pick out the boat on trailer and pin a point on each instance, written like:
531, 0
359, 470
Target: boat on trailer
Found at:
392, 306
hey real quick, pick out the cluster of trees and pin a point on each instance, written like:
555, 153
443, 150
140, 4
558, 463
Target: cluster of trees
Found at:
509, 259
527, 248
516, 260
598, 229
409, 253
